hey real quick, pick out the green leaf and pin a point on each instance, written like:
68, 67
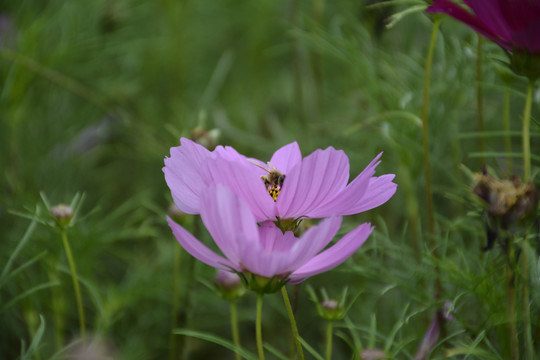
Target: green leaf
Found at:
216, 340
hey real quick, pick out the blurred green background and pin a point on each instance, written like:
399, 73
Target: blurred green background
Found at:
94, 93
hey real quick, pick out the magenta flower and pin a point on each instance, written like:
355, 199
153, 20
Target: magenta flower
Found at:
265, 251
512, 24
287, 187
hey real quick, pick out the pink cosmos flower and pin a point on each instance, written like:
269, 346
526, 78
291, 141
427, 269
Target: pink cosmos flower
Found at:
265, 250
287, 187
512, 24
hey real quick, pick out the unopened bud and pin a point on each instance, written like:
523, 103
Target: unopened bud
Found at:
330, 305
176, 214
448, 311
372, 354
229, 285
206, 138
62, 215
331, 310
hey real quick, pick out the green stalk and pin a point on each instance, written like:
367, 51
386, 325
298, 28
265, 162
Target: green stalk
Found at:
479, 96
294, 329
506, 123
425, 132
73, 269
526, 130
258, 331
511, 296
177, 263
329, 331
234, 328
427, 163
525, 303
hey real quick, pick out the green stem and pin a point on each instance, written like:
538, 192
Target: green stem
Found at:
425, 128
511, 296
329, 331
258, 331
73, 269
479, 96
526, 130
177, 263
525, 303
294, 329
234, 329
427, 163
506, 123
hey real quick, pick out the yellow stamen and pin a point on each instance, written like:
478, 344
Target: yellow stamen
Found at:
274, 192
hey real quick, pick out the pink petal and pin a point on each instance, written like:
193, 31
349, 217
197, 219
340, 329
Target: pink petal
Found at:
198, 249
229, 220
182, 174
314, 240
334, 255
263, 258
379, 191
347, 199
272, 238
229, 153
287, 157
244, 180
318, 178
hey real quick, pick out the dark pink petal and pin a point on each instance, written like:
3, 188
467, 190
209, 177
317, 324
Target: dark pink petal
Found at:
314, 181
198, 249
459, 13
491, 15
229, 220
244, 180
182, 174
346, 201
334, 255
287, 157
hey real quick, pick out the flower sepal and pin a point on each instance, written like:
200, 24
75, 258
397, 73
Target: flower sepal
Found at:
261, 284
525, 64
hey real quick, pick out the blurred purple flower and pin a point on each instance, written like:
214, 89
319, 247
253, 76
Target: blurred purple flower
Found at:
512, 24
287, 187
431, 338
7, 31
265, 251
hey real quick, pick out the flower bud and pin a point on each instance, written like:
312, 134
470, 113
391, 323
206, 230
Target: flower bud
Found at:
176, 214
62, 215
372, 354
331, 310
229, 285
448, 311
206, 138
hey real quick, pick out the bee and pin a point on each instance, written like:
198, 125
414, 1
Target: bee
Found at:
273, 181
